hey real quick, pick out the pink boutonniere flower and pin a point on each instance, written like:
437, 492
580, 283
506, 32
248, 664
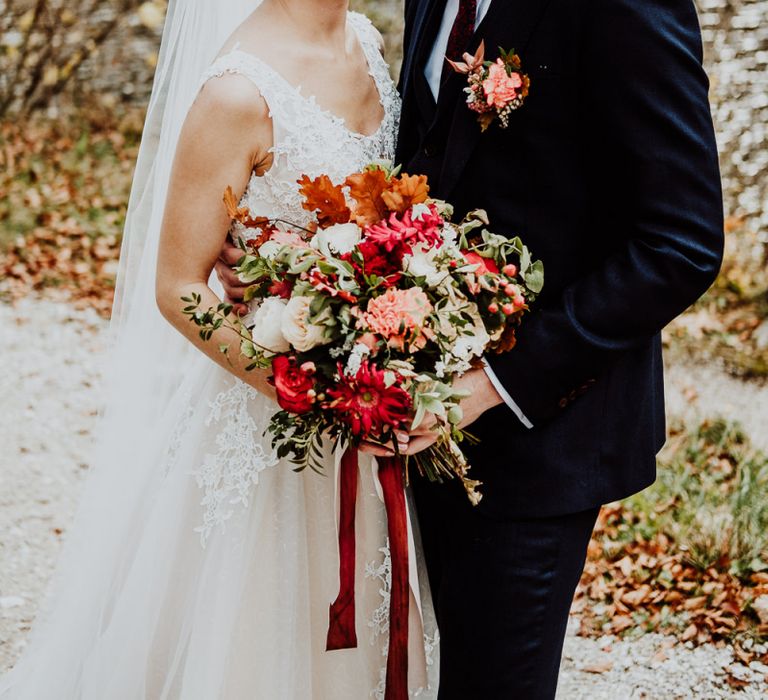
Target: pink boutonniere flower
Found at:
495, 88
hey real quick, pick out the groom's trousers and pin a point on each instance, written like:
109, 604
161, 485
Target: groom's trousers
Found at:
502, 590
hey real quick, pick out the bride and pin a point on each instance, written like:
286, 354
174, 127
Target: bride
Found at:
200, 566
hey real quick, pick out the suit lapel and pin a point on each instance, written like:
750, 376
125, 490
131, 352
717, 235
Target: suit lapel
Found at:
508, 24
423, 11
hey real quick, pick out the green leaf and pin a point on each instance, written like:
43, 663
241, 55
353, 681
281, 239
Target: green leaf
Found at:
421, 412
525, 261
534, 277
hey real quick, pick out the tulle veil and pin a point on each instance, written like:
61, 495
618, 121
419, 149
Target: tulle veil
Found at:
147, 364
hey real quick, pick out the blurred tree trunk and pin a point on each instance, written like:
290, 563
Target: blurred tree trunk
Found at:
44, 42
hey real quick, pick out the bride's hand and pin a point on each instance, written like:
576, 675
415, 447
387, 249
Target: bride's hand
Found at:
378, 450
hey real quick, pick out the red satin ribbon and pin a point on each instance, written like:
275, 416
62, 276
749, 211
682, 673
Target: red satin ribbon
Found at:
341, 626
391, 478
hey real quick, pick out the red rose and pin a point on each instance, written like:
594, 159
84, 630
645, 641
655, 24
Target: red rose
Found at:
487, 266
281, 289
292, 384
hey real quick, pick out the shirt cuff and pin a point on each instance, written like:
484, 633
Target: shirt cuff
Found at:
505, 395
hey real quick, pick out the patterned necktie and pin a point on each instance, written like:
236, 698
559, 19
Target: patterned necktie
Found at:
461, 33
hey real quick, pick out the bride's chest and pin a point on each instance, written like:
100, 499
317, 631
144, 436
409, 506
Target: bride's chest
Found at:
310, 141
318, 147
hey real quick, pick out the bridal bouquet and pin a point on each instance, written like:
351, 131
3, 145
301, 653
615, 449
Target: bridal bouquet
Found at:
367, 315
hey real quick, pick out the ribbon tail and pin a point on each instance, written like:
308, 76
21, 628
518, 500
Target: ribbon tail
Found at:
341, 624
391, 477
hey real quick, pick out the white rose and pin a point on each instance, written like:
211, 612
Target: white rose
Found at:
450, 235
337, 239
419, 211
421, 263
296, 327
266, 322
269, 249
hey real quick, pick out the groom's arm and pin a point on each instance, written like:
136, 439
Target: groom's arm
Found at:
647, 92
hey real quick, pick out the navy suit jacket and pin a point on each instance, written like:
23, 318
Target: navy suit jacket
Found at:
609, 173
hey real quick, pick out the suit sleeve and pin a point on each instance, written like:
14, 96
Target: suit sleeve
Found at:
647, 94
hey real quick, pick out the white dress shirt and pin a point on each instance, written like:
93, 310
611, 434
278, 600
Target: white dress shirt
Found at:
433, 73
436, 61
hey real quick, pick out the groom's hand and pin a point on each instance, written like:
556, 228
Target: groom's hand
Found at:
482, 397
234, 289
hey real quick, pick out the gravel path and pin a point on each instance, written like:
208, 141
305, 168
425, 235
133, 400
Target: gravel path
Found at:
704, 390
49, 395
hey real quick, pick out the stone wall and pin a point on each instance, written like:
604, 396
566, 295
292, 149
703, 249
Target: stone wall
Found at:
735, 34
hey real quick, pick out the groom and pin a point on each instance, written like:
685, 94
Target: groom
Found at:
609, 173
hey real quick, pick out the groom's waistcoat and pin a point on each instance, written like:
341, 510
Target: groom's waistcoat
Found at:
609, 174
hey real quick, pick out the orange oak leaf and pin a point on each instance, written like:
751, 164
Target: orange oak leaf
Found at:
405, 191
261, 239
242, 214
325, 198
367, 188
508, 340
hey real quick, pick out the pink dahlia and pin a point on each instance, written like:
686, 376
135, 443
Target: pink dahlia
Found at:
399, 316
500, 87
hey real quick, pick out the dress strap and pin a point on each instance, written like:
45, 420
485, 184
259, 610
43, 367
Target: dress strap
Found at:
269, 83
366, 32
370, 40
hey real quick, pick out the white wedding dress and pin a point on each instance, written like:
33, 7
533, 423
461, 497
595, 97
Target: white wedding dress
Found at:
219, 567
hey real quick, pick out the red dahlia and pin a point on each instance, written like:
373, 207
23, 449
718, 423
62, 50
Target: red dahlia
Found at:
367, 404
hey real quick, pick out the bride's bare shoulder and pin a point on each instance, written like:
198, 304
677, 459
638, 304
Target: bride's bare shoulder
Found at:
233, 93
230, 115
231, 101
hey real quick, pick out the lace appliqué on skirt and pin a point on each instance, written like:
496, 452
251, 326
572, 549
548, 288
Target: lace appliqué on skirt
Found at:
228, 475
379, 621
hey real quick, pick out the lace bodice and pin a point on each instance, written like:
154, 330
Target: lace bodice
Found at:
307, 139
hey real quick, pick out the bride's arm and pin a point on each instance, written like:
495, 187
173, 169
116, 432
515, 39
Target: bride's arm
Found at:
226, 136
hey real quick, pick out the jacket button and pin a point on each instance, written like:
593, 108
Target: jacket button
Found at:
430, 150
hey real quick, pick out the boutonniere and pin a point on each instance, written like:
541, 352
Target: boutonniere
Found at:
495, 88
